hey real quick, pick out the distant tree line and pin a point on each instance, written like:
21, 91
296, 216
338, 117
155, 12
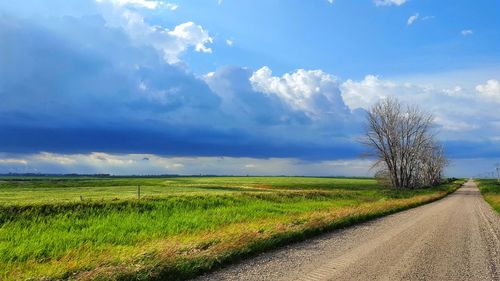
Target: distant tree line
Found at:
400, 138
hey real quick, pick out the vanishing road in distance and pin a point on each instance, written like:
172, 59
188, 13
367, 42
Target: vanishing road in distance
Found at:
456, 238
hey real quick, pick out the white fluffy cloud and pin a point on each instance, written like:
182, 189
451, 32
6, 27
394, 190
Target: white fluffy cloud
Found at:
311, 91
148, 4
412, 19
453, 108
170, 43
320, 97
389, 2
171, 6
490, 90
367, 92
190, 34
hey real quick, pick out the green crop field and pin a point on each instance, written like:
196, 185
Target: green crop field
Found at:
180, 227
490, 189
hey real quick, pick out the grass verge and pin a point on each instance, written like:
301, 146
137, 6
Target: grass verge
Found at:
490, 189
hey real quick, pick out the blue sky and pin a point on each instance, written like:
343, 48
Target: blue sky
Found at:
239, 87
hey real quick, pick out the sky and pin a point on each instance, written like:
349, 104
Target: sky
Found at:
240, 87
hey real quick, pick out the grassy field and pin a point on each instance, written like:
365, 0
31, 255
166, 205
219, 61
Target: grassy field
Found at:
180, 227
490, 189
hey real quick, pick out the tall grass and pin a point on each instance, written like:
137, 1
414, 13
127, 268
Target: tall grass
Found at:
175, 232
490, 189
56, 190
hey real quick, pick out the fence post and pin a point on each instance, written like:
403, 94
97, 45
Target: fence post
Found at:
81, 197
139, 192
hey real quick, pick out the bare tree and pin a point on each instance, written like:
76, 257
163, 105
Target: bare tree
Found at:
434, 163
400, 138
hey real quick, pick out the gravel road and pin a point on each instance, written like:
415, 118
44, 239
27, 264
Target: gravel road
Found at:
456, 238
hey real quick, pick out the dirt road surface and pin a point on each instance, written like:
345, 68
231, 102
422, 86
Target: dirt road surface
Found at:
456, 238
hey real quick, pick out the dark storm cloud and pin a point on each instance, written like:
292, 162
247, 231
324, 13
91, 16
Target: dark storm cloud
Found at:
170, 142
73, 84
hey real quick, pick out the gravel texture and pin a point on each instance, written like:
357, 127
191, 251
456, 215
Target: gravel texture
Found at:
456, 238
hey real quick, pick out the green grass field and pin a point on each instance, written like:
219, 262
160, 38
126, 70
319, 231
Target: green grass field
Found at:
490, 189
181, 226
